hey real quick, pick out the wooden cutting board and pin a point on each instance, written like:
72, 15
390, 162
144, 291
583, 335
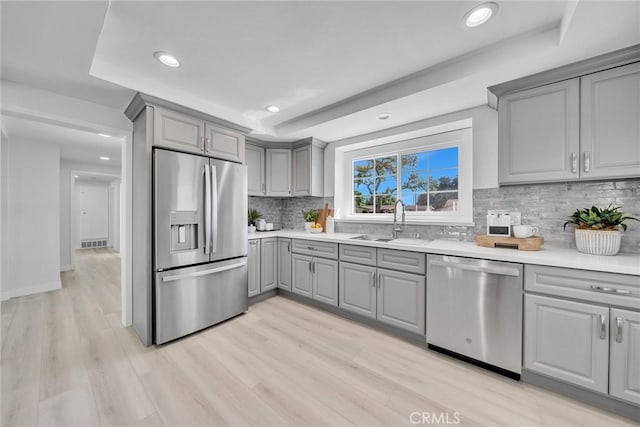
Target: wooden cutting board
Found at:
532, 243
323, 214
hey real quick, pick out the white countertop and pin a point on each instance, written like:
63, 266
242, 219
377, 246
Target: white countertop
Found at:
547, 255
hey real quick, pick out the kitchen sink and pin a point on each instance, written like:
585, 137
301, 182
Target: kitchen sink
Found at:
371, 238
411, 242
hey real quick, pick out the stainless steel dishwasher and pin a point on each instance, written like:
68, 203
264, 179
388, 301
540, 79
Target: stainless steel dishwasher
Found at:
474, 310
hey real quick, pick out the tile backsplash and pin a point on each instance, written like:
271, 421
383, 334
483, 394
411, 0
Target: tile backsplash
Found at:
546, 206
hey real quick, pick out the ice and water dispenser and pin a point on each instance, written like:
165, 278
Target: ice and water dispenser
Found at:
184, 230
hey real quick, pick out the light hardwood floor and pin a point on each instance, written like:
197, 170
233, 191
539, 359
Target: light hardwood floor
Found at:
67, 360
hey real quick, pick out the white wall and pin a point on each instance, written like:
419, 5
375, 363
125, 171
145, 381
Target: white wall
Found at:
32, 218
483, 119
4, 146
67, 201
114, 215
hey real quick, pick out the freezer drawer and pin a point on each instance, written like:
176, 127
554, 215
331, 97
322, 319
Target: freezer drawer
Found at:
190, 299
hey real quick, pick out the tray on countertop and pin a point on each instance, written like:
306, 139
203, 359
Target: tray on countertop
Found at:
532, 243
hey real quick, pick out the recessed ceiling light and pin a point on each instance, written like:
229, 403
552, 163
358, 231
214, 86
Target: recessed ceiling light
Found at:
480, 14
106, 135
384, 116
104, 158
272, 109
167, 59
75, 176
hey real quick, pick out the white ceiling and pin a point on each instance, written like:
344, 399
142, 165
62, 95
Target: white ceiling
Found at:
75, 145
330, 66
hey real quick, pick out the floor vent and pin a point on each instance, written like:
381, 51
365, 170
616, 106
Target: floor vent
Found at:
86, 244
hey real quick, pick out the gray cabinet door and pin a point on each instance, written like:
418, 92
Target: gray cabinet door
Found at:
278, 172
224, 143
254, 267
357, 291
609, 132
301, 276
567, 340
401, 300
254, 156
624, 359
284, 263
325, 280
539, 134
178, 131
302, 171
268, 264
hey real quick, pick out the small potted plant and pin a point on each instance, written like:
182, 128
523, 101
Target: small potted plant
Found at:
253, 215
598, 229
310, 218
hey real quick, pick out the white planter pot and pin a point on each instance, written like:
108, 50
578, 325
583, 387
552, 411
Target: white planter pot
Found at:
251, 229
307, 226
598, 242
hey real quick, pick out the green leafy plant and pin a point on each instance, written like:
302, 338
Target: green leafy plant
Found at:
310, 215
253, 215
609, 218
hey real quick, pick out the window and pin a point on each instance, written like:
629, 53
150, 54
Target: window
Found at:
431, 175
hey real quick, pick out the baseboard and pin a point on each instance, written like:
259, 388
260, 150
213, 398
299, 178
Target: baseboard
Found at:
30, 290
67, 267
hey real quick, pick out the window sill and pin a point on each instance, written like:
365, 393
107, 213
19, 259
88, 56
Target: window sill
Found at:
421, 221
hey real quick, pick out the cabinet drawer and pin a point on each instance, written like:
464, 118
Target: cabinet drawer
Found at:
607, 288
313, 248
358, 254
410, 262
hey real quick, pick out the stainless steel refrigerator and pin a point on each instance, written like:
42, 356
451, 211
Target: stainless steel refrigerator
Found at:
200, 242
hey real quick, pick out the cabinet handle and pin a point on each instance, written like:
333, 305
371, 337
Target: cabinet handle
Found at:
618, 329
288, 246
379, 281
603, 326
586, 161
289, 188
574, 163
309, 266
264, 189
207, 145
313, 267
311, 248
253, 242
202, 143
373, 278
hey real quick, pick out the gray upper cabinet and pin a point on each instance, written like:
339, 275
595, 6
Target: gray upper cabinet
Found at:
268, 264
325, 280
254, 267
308, 170
567, 340
539, 134
178, 131
223, 143
184, 132
401, 300
254, 157
624, 370
278, 168
610, 134
358, 288
284, 263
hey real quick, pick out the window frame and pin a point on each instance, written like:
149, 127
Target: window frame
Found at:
458, 138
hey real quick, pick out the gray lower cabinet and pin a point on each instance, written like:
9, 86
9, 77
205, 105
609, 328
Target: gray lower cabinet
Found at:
284, 263
268, 264
401, 300
567, 340
358, 288
325, 280
301, 276
254, 267
315, 278
624, 359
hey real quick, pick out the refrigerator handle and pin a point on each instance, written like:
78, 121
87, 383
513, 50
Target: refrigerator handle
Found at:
214, 207
207, 208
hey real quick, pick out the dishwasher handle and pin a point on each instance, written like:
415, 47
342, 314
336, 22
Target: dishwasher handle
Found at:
491, 269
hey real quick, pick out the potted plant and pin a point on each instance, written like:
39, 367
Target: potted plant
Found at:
310, 218
598, 229
252, 216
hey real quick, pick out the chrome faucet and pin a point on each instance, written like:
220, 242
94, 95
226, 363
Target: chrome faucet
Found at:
397, 228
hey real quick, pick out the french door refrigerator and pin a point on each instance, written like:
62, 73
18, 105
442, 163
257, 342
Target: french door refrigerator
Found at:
200, 242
